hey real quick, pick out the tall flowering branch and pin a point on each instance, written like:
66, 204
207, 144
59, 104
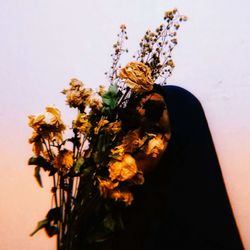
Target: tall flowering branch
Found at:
156, 46
119, 49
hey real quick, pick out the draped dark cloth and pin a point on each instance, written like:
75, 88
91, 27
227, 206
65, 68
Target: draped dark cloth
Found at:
183, 204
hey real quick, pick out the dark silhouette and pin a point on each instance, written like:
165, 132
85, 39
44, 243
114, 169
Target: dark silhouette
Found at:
183, 204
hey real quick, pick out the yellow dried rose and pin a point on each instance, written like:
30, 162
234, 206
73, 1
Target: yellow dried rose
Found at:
124, 169
137, 76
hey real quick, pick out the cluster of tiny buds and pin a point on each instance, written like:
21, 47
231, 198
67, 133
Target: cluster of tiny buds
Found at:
156, 46
171, 14
118, 51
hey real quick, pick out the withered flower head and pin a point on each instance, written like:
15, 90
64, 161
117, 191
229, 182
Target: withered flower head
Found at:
64, 160
124, 196
132, 141
155, 146
77, 96
124, 169
48, 125
82, 124
137, 76
105, 186
53, 117
35, 122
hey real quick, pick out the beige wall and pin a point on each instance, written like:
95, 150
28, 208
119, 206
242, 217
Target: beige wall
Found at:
44, 43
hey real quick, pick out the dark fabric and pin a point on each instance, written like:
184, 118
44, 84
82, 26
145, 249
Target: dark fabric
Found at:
183, 204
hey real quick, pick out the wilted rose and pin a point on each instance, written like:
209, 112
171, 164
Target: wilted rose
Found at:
105, 187
124, 169
125, 196
156, 146
132, 141
137, 76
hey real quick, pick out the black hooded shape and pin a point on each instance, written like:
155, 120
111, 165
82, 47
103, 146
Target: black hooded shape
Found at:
183, 204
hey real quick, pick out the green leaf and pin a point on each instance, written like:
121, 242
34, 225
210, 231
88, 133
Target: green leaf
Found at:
78, 164
111, 97
113, 89
53, 214
101, 149
51, 230
38, 176
32, 161
40, 161
109, 222
52, 171
41, 224
86, 172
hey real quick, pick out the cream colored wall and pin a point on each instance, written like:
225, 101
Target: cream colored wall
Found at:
45, 43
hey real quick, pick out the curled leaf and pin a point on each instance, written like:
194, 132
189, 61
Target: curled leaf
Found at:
38, 176
41, 224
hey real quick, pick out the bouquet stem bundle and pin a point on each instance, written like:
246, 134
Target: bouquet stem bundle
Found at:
119, 133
